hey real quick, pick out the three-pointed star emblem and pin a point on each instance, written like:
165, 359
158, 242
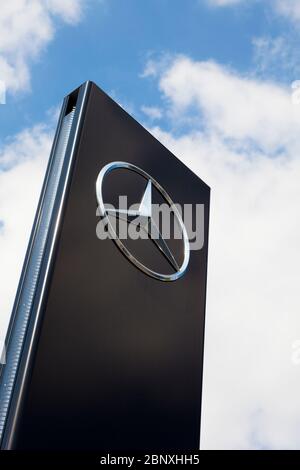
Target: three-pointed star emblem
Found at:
143, 217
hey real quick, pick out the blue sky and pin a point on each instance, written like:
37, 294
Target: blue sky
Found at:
212, 80
113, 40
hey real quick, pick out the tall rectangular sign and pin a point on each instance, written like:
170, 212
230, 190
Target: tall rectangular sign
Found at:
105, 345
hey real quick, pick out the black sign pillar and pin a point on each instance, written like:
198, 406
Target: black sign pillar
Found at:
105, 344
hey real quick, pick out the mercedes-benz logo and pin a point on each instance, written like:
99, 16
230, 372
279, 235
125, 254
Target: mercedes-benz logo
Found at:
144, 211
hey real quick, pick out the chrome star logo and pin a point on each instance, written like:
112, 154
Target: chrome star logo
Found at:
143, 217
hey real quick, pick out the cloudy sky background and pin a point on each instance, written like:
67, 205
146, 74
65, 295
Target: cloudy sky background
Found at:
211, 79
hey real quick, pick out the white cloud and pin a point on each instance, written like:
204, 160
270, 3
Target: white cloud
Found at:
152, 112
288, 8
238, 108
155, 66
245, 145
69, 10
22, 167
2, 92
277, 56
26, 27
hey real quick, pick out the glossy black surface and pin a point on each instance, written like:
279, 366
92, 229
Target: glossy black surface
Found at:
118, 361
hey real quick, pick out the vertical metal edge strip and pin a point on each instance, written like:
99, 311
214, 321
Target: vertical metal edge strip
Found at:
34, 229
204, 320
7, 437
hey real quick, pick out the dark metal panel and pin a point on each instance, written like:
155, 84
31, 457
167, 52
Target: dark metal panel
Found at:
118, 362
